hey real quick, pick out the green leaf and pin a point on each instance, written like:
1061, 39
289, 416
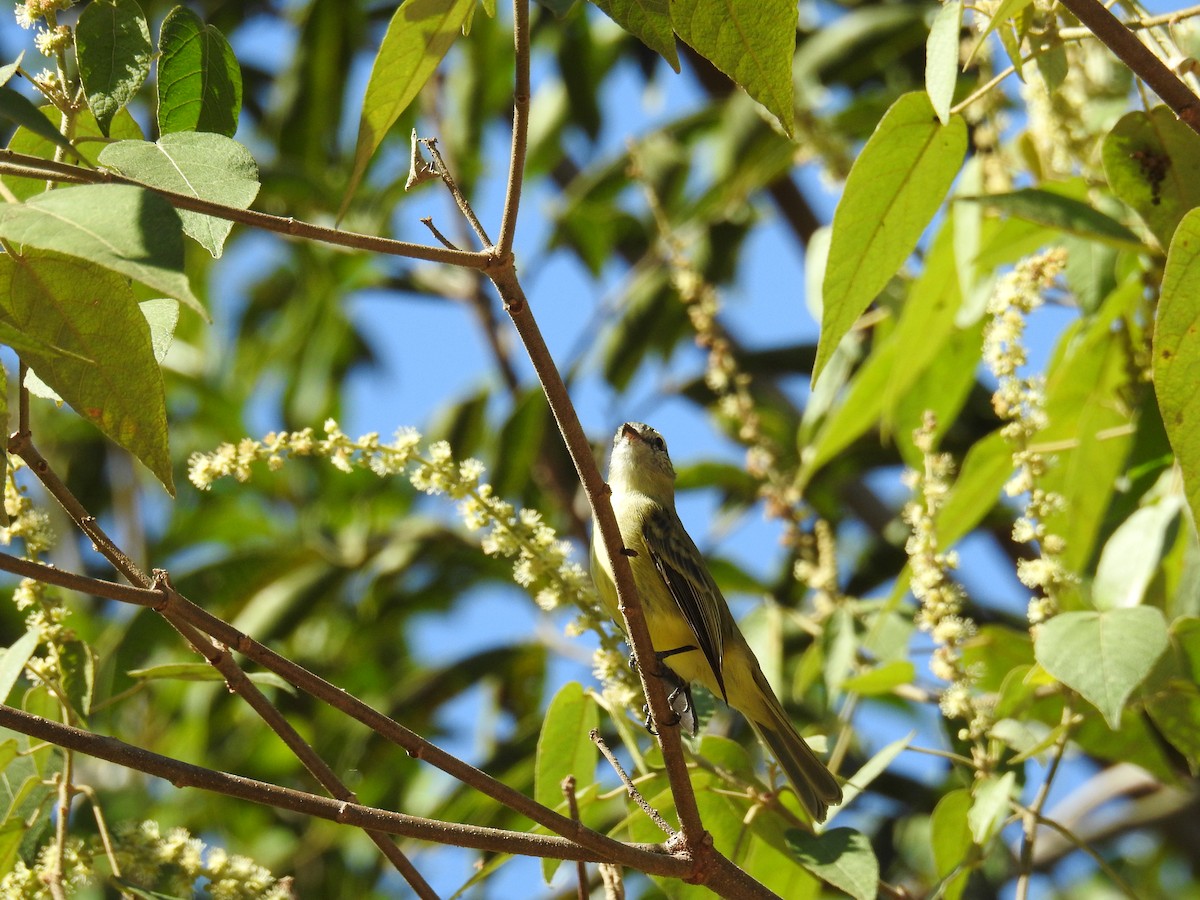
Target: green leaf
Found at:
8, 71
199, 79
1152, 162
1104, 655
1062, 213
647, 20
895, 186
12, 832
1177, 353
871, 769
565, 748
34, 144
985, 469
841, 857
941, 58
1133, 554
1007, 9
162, 315
882, 679
417, 37
112, 45
111, 377
20, 109
201, 164
12, 663
989, 807
202, 672
949, 834
751, 41
1176, 714
79, 675
124, 228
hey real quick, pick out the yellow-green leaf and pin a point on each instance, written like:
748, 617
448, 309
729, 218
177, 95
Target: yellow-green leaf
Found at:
109, 374
751, 41
1177, 353
894, 188
417, 37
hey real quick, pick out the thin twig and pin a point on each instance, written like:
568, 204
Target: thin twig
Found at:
568, 789
25, 166
182, 774
427, 221
1074, 840
1029, 825
101, 827
54, 879
630, 788
1139, 58
439, 166
520, 143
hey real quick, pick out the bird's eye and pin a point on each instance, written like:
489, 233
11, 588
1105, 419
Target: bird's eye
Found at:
658, 443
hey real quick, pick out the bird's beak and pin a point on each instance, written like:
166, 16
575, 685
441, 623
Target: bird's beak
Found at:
629, 433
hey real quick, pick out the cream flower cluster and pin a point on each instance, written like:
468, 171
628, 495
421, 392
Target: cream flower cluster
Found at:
1020, 402
542, 562
167, 864
941, 598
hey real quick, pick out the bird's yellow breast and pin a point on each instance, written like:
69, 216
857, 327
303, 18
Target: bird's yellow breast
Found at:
669, 630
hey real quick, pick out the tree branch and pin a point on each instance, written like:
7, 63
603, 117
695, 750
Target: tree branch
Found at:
649, 858
520, 134
218, 656
166, 597
24, 166
1138, 57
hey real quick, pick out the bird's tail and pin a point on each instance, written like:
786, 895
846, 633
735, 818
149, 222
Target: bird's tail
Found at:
814, 784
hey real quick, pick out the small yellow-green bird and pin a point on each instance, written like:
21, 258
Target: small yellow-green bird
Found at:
690, 624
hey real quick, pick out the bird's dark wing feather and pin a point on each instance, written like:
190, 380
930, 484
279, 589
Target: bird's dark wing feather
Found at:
689, 583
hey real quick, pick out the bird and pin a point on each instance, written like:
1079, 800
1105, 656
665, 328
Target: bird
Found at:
693, 631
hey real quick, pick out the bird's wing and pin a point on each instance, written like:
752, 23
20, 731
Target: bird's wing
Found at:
682, 568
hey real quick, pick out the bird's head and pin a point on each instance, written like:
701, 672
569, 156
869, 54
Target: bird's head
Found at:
640, 463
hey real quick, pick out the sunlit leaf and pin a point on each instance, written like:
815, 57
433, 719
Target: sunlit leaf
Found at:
565, 748
989, 805
897, 183
123, 228
111, 376
647, 20
200, 164
1177, 352
1152, 162
199, 78
751, 41
1103, 655
941, 58
417, 37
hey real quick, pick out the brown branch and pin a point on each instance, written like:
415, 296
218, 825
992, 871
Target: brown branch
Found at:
650, 858
24, 166
166, 597
22, 444
520, 133
1139, 58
